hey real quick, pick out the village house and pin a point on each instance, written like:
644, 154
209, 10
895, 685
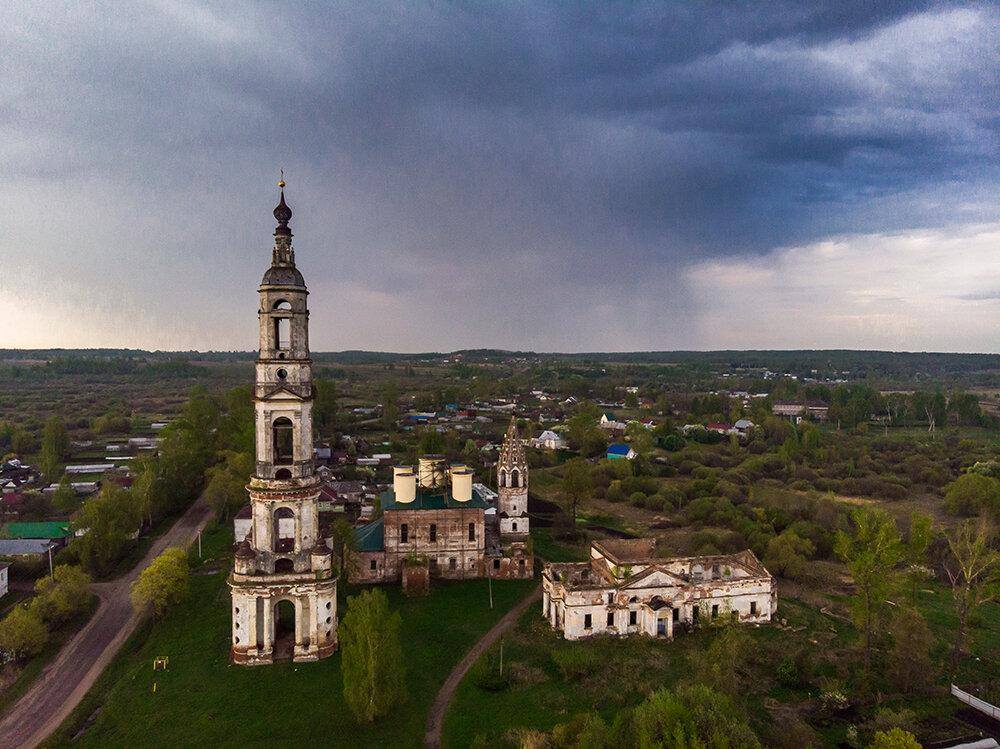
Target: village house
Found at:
620, 451
549, 440
797, 410
625, 589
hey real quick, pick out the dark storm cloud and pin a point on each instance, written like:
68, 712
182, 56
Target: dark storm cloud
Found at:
468, 174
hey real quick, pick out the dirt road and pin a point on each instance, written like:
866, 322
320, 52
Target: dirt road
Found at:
64, 682
435, 719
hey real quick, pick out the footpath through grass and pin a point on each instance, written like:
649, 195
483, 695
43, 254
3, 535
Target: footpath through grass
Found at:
203, 700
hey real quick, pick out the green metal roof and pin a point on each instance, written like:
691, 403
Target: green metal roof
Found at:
432, 499
47, 529
371, 537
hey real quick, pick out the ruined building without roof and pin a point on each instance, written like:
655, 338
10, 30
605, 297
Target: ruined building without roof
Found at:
626, 589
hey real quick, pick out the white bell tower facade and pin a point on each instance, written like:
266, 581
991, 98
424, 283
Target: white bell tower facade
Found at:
284, 592
512, 485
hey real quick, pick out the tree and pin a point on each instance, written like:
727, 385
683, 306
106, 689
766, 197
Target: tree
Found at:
693, 716
576, 486
582, 432
324, 406
921, 532
723, 665
895, 738
639, 438
64, 498
64, 595
371, 655
110, 520
163, 584
871, 553
788, 555
909, 661
345, 541
226, 490
22, 634
55, 446
390, 408
971, 493
973, 569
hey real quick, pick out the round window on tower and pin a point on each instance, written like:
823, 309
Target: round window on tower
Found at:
281, 356
282, 374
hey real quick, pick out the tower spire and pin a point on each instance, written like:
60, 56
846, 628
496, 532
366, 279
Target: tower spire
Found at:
283, 253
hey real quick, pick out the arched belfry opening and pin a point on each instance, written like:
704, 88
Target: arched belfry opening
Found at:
284, 629
515, 478
282, 304
283, 441
284, 530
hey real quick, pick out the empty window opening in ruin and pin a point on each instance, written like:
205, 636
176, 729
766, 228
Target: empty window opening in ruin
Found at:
282, 332
282, 438
283, 530
434, 533
404, 533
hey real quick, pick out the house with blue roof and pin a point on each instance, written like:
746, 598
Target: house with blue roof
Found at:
619, 451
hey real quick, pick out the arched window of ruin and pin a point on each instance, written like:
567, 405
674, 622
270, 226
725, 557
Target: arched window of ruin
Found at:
282, 332
282, 441
515, 478
503, 478
282, 304
284, 532
284, 565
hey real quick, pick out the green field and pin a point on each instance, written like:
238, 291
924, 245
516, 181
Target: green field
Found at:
203, 700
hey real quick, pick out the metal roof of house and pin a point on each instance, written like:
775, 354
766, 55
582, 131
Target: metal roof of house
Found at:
23, 547
432, 499
47, 529
371, 537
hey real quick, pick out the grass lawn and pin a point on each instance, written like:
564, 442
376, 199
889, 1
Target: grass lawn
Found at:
203, 700
555, 551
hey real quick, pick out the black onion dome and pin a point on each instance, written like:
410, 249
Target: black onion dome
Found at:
282, 275
282, 213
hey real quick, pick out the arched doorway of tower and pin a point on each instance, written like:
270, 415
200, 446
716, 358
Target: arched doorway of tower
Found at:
284, 629
284, 530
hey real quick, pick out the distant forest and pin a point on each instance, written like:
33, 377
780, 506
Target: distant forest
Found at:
830, 364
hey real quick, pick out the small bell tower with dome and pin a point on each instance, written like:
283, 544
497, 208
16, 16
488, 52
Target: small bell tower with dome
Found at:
283, 587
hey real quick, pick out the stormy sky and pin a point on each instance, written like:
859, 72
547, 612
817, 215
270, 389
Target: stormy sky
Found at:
555, 177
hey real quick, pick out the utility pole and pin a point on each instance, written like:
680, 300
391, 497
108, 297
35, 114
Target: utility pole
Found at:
489, 580
51, 573
199, 544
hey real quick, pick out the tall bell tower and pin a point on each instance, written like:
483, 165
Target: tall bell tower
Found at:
283, 587
512, 484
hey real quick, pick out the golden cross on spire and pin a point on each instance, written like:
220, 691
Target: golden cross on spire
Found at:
281, 182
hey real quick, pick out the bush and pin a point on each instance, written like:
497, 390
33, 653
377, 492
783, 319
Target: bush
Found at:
672, 443
637, 499
969, 494
575, 662
23, 634
486, 674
